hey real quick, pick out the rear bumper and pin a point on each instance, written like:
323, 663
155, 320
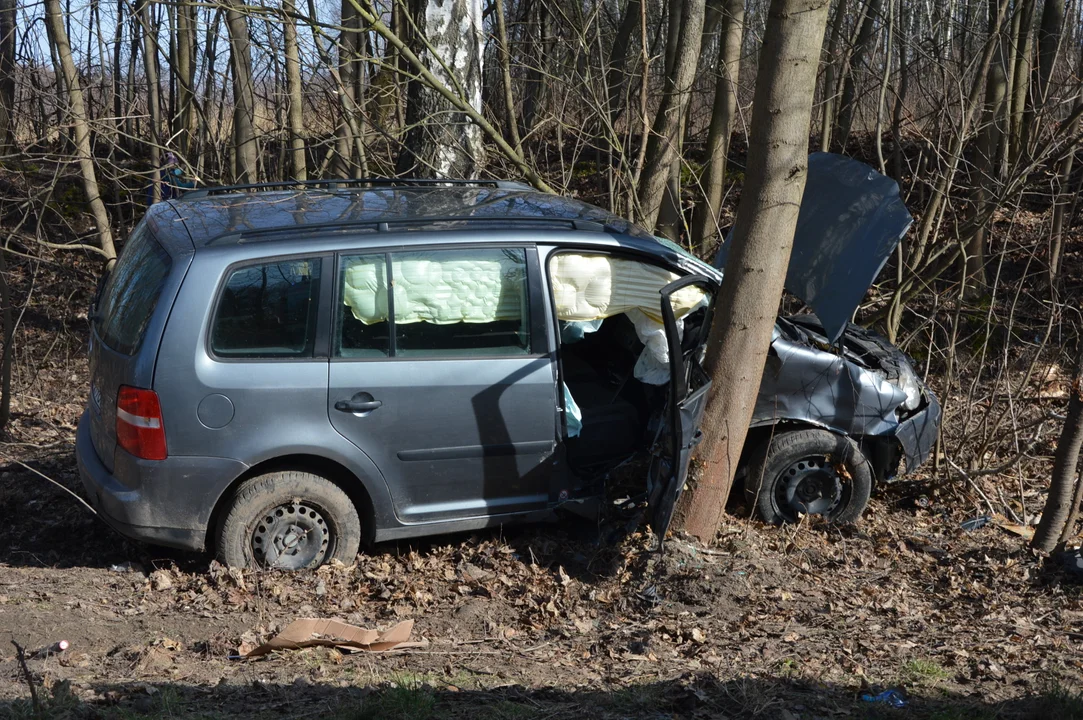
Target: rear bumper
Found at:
166, 502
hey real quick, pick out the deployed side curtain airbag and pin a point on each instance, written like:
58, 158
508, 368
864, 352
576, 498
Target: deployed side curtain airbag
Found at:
437, 289
590, 287
431, 287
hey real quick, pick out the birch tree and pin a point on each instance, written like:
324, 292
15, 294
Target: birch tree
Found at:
441, 141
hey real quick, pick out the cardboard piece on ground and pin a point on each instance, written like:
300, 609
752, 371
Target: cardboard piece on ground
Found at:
310, 632
1024, 531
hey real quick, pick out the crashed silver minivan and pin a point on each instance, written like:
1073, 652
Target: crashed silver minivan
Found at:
281, 372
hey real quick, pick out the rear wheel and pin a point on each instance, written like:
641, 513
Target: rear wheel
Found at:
289, 520
808, 472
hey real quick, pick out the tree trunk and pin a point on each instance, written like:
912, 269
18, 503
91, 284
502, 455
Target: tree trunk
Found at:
989, 137
244, 102
118, 103
511, 125
295, 109
150, 68
7, 74
900, 94
762, 240
185, 71
617, 72
1062, 486
441, 141
1063, 198
663, 144
849, 86
54, 23
347, 68
1024, 48
723, 113
827, 122
7, 319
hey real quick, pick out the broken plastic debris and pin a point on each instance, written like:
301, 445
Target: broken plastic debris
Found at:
54, 649
1073, 561
975, 523
888, 697
311, 632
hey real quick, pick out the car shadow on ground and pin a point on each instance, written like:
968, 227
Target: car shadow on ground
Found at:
47, 527
421, 697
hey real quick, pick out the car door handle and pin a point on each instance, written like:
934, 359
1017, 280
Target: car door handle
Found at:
357, 406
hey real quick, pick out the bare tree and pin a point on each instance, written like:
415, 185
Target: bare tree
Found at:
8, 10
762, 239
294, 93
663, 145
440, 140
724, 110
1062, 487
58, 37
245, 148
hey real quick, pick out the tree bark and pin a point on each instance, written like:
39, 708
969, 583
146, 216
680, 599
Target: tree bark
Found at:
150, 69
1021, 72
185, 71
511, 124
989, 142
7, 319
723, 113
1062, 486
441, 140
7, 74
295, 109
617, 73
849, 86
664, 142
348, 44
827, 122
759, 257
1063, 198
246, 151
54, 23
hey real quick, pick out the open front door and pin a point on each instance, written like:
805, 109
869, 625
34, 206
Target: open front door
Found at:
688, 388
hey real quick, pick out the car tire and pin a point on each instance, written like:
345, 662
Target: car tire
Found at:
290, 520
808, 472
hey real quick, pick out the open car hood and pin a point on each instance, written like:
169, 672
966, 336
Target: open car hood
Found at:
850, 221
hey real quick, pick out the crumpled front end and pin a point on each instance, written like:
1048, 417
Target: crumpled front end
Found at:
865, 388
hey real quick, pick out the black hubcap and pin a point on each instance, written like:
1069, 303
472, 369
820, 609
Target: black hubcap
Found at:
810, 486
291, 536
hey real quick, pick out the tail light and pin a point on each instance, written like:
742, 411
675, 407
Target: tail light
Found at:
139, 423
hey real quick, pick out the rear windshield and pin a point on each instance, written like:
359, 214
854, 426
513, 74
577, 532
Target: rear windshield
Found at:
131, 292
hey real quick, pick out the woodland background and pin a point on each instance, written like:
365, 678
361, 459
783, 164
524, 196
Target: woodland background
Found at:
642, 107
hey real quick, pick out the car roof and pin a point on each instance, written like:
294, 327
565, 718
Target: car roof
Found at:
321, 211
219, 217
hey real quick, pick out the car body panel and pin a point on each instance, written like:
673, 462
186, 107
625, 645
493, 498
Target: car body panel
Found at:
850, 221
457, 443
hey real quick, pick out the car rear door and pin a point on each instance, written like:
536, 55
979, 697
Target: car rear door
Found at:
459, 415
145, 276
688, 390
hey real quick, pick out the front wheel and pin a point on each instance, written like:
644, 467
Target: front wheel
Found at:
808, 472
289, 520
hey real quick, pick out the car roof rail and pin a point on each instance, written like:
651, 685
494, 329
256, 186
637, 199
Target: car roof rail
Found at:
348, 183
420, 223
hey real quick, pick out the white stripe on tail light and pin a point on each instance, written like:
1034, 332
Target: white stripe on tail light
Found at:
139, 423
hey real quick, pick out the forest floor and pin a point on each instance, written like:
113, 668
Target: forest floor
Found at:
555, 621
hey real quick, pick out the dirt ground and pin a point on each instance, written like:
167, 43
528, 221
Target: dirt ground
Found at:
555, 621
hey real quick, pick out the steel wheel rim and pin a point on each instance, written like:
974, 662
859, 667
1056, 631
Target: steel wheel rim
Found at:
808, 486
291, 536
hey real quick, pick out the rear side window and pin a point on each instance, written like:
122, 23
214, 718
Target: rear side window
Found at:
438, 303
131, 292
268, 311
